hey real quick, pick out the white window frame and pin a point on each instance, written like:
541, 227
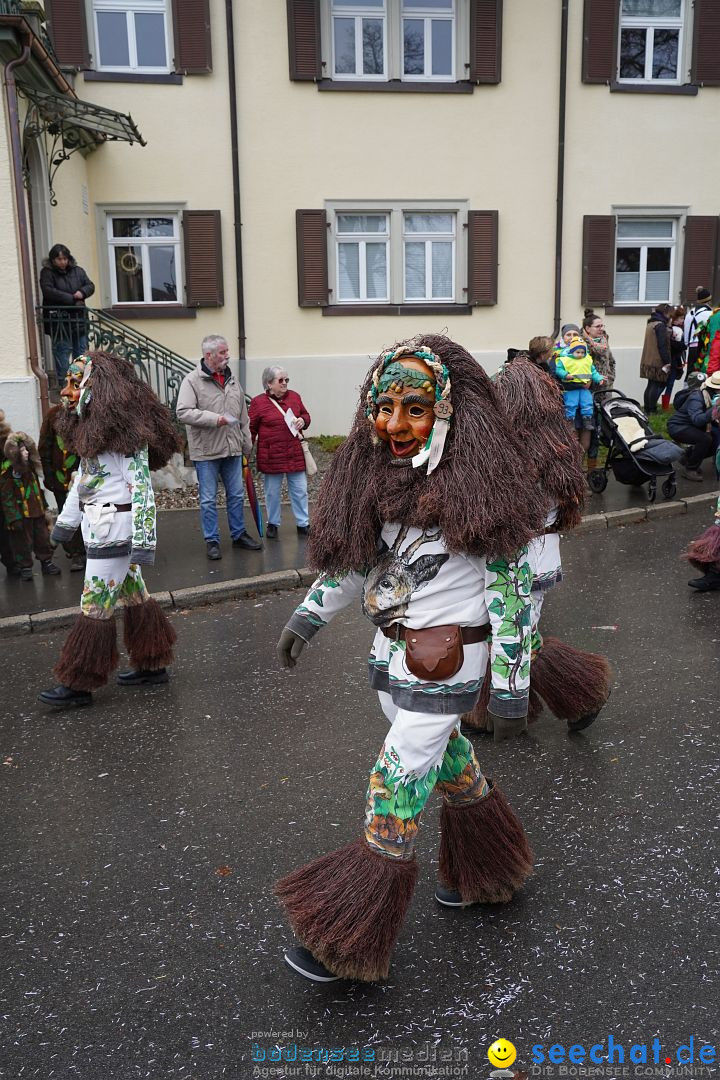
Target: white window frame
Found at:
130, 9
108, 214
429, 14
362, 240
393, 54
633, 22
676, 215
395, 210
358, 14
428, 239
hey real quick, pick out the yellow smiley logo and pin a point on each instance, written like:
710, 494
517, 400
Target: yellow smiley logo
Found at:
502, 1054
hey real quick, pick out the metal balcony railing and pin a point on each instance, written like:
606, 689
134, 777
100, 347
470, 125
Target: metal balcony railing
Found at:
34, 16
157, 365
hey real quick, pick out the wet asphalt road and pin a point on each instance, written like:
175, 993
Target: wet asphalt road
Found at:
140, 841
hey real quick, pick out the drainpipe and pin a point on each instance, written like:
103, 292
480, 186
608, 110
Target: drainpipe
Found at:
23, 227
560, 169
236, 187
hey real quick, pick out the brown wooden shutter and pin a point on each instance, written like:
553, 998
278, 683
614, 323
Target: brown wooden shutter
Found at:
202, 233
303, 18
191, 30
312, 261
68, 31
482, 287
706, 43
600, 40
485, 40
700, 257
598, 271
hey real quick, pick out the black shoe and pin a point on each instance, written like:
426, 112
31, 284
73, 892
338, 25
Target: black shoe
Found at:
143, 677
303, 961
589, 718
245, 541
77, 563
213, 550
450, 897
26, 573
271, 532
49, 567
304, 530
707, 583
691, 474
62, 697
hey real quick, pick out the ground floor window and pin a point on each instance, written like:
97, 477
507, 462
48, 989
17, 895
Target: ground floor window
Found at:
144, 258
645, 260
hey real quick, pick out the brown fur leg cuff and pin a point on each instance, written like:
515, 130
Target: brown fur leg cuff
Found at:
484, 852
347, 908
572, 683
89, 654
149, 636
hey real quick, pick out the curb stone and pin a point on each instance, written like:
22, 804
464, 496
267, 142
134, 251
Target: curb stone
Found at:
281, 580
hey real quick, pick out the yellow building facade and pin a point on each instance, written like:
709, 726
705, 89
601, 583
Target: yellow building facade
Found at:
396, 166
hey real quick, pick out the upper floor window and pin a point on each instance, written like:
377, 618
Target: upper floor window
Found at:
645, 260
651, 40
131, 35
144, 254
381, 40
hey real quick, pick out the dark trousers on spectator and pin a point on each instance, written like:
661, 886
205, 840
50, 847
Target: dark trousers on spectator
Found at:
691, 360
30, 536
700, 444
653, 390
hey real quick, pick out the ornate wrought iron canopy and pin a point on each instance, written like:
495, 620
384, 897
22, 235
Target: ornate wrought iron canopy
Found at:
67, 124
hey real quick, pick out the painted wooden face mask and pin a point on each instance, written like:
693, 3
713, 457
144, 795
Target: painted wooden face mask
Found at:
409, 405
76, 392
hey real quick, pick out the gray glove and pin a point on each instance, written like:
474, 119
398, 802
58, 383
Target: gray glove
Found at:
289, 648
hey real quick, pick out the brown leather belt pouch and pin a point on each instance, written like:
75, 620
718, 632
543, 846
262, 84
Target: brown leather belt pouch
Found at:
434, 653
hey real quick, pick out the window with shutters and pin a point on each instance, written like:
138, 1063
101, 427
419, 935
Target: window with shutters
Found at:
397, 253
651, 41
132, 36
389, 40
645, 257
145, 258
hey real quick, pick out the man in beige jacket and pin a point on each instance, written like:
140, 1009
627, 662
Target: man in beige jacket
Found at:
211, 404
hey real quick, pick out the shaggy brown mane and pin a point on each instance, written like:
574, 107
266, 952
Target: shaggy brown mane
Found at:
534, 405
122, 415
483, 494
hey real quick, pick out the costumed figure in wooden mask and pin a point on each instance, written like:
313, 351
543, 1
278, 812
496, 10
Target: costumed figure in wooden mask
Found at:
115, 424
573, 683
424, 516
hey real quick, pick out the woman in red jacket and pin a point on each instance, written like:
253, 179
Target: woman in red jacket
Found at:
277, 418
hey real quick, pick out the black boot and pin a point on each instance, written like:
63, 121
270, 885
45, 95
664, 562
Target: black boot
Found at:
707, 583
138, 678
64, 697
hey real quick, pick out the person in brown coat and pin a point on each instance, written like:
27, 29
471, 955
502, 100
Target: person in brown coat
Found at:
656, 359
59, 466
24, 506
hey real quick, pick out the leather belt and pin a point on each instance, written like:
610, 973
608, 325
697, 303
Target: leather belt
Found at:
122, 507
471, 635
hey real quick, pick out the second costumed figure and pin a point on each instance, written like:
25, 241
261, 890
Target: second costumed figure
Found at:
115, 424
424, 516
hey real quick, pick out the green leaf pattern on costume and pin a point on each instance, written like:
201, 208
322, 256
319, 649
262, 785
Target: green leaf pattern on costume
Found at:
511, 623
143, 501
325, 581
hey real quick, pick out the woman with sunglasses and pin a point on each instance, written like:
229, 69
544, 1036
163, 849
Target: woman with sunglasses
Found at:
277, 420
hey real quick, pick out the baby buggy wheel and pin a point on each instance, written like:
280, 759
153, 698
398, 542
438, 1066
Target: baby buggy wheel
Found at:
597, 479
669, 488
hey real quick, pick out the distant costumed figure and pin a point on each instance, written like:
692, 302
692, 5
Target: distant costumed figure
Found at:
574, 684
115, 424
424, 516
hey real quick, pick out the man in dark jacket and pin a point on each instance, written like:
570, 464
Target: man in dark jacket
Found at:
65, 288
656, 359
692, 423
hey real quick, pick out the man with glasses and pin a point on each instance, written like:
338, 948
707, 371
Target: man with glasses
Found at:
211, 404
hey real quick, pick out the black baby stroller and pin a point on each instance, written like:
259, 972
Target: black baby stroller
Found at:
636, 454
